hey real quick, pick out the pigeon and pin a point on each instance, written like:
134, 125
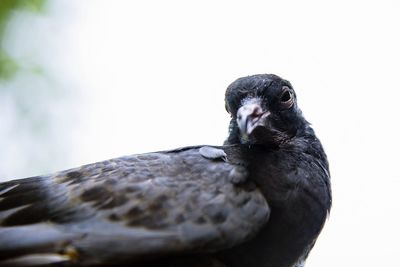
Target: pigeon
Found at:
259, 200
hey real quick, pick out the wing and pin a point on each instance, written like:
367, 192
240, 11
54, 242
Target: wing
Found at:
133, 208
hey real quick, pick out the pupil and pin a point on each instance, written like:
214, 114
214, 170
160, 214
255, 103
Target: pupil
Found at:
285, 96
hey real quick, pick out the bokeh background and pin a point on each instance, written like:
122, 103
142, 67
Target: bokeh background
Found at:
84, 81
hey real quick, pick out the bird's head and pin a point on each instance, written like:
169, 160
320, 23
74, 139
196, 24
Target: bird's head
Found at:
264, 111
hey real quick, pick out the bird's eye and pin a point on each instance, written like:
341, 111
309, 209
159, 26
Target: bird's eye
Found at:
286, 98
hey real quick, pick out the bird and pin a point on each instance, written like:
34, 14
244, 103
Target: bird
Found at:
260, 199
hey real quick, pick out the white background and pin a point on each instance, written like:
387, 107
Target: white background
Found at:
151, 75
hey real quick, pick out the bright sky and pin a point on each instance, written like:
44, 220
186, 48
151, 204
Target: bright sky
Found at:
152, 74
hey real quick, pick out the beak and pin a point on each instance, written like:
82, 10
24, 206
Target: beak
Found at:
250, 116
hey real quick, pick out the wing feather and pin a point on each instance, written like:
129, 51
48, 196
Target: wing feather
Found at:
132, 208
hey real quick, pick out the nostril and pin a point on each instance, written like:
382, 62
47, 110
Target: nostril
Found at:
257, 111
249, 111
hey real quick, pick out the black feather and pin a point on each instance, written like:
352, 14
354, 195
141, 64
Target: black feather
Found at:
259, 200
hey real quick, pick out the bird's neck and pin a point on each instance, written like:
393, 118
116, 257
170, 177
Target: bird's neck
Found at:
299, 209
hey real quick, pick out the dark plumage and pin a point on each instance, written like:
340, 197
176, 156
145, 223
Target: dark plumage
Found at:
259, 200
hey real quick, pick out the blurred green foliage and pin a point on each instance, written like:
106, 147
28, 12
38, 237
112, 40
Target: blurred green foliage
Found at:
8, 66
30, 96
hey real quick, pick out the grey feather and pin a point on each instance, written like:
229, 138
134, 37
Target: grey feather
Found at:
260, 200
140, 205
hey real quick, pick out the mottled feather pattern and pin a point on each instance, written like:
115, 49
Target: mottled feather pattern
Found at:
168, 192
